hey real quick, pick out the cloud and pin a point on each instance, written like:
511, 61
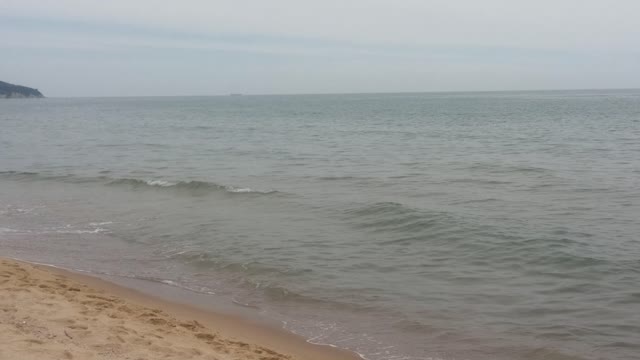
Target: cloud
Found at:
144, 47
573, 24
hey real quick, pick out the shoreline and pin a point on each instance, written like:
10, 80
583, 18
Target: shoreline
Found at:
31, 289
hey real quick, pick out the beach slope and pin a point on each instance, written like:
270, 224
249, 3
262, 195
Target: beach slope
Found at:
47, 315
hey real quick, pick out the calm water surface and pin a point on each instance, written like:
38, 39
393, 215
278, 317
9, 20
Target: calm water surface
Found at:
400, 226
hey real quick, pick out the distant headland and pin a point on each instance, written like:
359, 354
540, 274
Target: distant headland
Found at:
11, 91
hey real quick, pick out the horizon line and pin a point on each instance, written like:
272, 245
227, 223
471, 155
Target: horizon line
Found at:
239, 94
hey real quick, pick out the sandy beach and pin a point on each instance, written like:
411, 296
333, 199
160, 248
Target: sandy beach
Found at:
49, 313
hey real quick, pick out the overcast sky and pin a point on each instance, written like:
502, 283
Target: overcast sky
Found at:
200, 47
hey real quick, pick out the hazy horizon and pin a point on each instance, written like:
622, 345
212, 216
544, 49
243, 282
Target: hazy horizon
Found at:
344, 93
74, 48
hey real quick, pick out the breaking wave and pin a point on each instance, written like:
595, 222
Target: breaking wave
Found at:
184, 185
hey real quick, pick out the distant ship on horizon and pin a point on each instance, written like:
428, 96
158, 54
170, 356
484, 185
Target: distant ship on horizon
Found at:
235, 94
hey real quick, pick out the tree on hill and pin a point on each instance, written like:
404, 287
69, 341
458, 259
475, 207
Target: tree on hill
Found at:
16, 91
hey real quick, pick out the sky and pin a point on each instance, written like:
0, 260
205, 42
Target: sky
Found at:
68, 48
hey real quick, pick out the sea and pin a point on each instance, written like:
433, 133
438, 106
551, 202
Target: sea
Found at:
441, 226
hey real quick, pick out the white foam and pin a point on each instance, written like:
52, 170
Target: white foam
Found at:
238, 190
159, 183
13, 210
234, 189
94, 231
201, 290
100, 223
35, 262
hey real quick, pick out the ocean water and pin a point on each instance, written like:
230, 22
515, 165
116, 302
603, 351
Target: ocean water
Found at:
400, 226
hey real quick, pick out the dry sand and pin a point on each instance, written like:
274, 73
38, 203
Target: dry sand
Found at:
49, 313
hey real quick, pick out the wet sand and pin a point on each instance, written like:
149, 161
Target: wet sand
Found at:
49, 313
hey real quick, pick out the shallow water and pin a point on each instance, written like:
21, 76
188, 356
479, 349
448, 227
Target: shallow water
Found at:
400, 226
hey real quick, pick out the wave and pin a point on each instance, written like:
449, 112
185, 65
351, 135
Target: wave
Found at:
495, 168
188, 185
338, 178
379, 208
48, 231
478, 181
206, 260
98, 230
397, 223
256, 280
